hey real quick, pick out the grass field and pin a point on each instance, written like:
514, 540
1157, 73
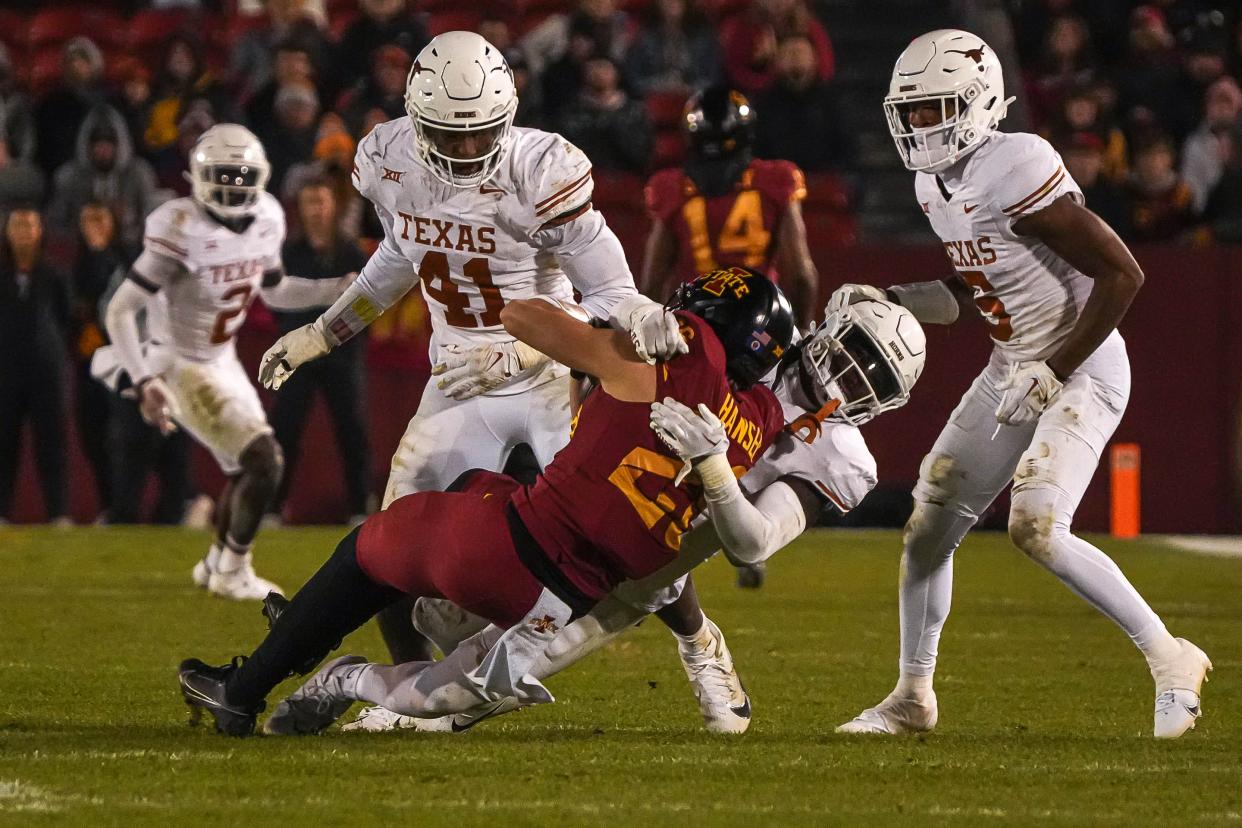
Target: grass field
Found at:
1045, 708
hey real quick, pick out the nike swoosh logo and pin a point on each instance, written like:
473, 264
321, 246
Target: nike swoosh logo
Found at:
743, 711
463, 728
968, 209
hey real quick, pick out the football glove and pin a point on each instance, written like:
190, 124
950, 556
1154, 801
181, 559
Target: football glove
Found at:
1028, 390
654, 330
291, 351
469, 372
692, 436
157, 405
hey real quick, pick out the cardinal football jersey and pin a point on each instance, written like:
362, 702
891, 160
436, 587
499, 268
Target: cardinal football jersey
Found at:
1030, 296
605, 509
738, 229
202, 302
475, 248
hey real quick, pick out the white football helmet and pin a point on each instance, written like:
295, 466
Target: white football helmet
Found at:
461, 98
228, 170
960, 74
868, 358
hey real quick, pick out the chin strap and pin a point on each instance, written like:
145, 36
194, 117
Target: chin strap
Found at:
811, 423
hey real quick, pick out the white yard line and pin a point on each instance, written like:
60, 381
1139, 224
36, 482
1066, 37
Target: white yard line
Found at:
1220, 546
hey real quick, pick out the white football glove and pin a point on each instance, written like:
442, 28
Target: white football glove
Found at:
653, 329
469, 372
158, 406
1029, 389
692, 437
290, 352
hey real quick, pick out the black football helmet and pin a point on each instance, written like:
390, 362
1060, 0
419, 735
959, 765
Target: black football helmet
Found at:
720, 127
749, 314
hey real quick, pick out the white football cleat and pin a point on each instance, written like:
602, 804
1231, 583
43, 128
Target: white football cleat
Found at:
895, 716
1177, 691
445, 623
314, 706
722, 698
376, 719
201, 574
241, 584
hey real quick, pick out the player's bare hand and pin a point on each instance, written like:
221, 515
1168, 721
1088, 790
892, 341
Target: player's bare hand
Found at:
1028, 391
653, 329
292, 350
691, 435
157, 405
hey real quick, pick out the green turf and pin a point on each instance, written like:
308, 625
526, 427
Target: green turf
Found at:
1045, 707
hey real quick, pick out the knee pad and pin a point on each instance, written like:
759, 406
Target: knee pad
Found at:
1034, 524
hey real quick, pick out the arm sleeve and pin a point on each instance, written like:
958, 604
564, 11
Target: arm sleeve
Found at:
387, 276
289, 293
592, 257
752, 532
121, 320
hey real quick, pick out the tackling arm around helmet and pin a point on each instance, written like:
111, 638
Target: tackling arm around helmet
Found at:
934, 302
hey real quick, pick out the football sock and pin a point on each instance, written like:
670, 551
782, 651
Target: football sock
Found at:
337, 600
233, 556
913, 687
700, 641
933, 533
213, 557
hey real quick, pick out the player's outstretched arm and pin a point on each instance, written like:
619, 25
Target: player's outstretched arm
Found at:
1090, 246
604, 353
934, 302
281, 291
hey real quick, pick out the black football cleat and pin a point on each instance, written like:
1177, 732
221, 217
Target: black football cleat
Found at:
202, 687
273, 605
751, 576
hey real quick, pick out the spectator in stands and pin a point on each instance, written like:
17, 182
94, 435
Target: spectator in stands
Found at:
605, 123
1148, 82
799, 118
321, 252
1085, 156
21, 181
749, 42
530, 109
134, 98
562, 81
182, 80
172, 162
106, 170
1204, 153
34, 318
495, 30
291, 64
101, 258
60, 113
597, 20
1080, 112
252, 63
675, 51
290, 137
382, 89
1067, 62
331, 164
1160, 203
1223, 213
1204, 61
382, 22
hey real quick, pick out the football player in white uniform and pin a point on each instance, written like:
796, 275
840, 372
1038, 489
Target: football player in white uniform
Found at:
204, 260
855, 366
1053, 281
478, 213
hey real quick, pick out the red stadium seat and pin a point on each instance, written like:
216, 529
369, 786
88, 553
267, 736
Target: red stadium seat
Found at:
670, 149
665, 109
151, 27
546, 7
453, 21
826, 191
617, 189
12, 26
43, 70
53, 26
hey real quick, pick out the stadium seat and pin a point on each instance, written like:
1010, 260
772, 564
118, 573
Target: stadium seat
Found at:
151, 27
452, 21
546, 7
617, 188
12, 25
665, 109
827, 191
670, 149
43, 70
53, 26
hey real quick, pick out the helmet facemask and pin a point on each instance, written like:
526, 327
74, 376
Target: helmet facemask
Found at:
231, 189
849, 366
966, 119
435, 144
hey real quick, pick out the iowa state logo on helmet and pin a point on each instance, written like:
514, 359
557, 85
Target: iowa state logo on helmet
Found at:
718, 281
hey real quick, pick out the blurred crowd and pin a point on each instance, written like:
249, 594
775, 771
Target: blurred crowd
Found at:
99, 105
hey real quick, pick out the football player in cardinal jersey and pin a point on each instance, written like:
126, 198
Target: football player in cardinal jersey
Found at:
612, 505
1053, 281
478, 213
727, 208
855, 366
204, 260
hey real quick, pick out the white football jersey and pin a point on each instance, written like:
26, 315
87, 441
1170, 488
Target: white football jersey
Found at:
1030, 297
202, 301
835, 460
476, 248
